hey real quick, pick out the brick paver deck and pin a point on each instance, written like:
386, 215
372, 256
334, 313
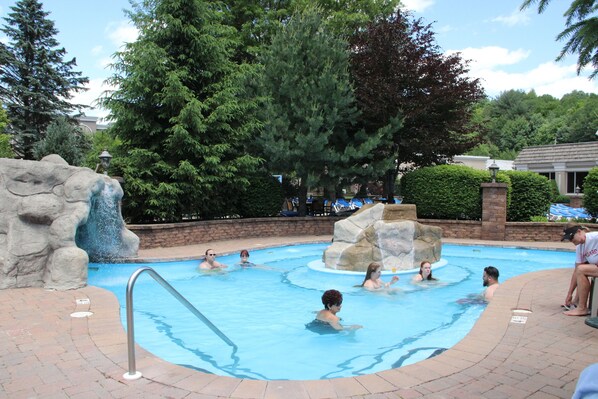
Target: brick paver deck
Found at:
44, 352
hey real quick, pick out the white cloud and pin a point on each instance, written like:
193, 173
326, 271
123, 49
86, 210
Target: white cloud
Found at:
121, 32
491, 56
96, 89
515, 18
416, 5
551, 78
97, 50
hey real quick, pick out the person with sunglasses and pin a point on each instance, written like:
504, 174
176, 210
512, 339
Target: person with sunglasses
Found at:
210, 262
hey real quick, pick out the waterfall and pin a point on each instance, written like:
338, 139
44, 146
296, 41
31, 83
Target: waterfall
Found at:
101, 236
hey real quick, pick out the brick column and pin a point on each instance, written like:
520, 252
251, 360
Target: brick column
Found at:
494, 211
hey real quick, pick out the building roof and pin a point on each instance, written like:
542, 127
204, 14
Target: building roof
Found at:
570, 152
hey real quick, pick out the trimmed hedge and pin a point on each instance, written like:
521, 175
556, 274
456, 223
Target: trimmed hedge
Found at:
590, 192
530, 196
448, 191
263, 198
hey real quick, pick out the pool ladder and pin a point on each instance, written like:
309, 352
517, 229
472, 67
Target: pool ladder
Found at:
133, 374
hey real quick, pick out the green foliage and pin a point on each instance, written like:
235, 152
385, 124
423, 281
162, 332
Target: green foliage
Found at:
561, 199
447, 191
3, 119
530, 196
263, 197
310, 111
5, 147
181, 114
516, 119
103, 140
64, 139
36, 83
590, 190
554, 190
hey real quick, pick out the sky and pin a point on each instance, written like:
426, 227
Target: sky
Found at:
507, 48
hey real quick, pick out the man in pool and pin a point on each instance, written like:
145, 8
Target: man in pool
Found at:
490, 281
332, 301
210, 263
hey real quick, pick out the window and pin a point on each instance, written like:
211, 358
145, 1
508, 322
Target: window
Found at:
549, 175
575, 179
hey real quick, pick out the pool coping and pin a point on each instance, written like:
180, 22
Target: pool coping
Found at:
497, 358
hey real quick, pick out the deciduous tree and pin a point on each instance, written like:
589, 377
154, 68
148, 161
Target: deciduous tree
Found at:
400, 74
36, 82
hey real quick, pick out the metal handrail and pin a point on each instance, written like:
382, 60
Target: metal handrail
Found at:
133, 373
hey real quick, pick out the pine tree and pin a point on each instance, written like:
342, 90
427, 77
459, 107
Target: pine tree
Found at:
36, 83
310, 119
180, 114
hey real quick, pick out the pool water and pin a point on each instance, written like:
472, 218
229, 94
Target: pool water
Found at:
264, 311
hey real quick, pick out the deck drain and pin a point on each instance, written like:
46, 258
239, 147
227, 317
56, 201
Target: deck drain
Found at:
518, 319
81, 314
84, 301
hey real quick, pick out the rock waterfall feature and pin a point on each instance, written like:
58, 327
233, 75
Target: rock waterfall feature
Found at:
387, 234
50, 223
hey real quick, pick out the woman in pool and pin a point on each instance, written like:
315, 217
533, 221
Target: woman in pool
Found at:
332, 301
372, 280
245, 259
425, 272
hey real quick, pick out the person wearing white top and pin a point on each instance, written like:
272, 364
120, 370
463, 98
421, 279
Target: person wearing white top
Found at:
586, 266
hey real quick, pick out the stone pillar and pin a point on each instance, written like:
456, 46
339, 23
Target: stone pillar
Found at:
494, 211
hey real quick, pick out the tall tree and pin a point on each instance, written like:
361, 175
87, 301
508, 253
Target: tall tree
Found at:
400, 74
179, 111
36, 83
581, 31
311, 113
258, 20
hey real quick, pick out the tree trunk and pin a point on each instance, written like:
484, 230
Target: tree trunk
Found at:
302, 199
389, 186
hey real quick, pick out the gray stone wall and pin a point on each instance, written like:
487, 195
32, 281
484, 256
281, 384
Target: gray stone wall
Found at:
42, 204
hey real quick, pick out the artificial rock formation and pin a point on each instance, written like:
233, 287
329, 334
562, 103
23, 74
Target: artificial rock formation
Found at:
387, 234
43, 208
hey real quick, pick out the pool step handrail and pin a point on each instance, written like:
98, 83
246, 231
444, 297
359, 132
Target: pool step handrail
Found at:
133, 374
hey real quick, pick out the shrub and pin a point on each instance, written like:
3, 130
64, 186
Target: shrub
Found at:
590, 192
530, 196
554, 190
447, 191
561, 199
5, 147
263, 197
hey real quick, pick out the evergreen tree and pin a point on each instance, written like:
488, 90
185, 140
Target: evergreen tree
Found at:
36, 83
180, 113
310, 118
65, 139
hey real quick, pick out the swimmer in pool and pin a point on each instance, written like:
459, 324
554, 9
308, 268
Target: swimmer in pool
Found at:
372, 280
425, 273
210, 262
244, 255
332, 301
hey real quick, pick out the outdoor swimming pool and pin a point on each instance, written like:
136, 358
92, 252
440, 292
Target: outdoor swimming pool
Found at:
264, 312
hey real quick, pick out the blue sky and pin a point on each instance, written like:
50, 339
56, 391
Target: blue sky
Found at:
509, 49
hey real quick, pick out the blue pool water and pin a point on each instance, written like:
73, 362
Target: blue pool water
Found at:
264, 311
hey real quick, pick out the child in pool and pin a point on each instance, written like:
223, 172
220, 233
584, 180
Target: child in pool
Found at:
425, 273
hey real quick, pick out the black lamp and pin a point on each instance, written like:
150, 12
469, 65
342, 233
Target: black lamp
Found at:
105, 159
493, 169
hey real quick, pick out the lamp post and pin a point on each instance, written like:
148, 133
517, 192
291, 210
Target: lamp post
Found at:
493, 169
577, 190
105, 159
